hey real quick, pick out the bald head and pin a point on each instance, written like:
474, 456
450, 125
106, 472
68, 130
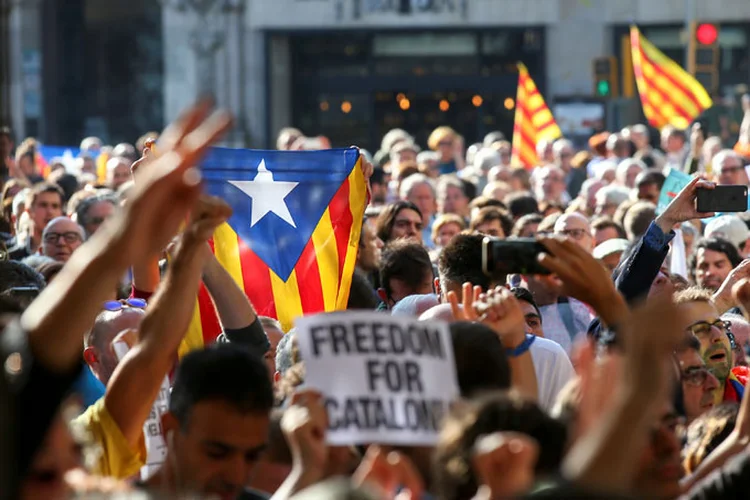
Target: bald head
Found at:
576, 227
60, 238
440, 312
413, 306
97, 343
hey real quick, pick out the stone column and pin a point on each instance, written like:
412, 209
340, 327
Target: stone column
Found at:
212, 29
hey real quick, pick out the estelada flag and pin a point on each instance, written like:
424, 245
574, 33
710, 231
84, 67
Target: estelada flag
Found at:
291, 243
669, 94
533, 121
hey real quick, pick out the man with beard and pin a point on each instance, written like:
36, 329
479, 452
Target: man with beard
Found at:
715, 340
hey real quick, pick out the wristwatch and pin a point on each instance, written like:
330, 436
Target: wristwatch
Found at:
522, 347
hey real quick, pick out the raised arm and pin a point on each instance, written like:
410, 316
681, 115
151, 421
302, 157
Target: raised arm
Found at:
57, 320
136, 381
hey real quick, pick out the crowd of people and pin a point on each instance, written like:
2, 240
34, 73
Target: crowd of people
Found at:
619, 375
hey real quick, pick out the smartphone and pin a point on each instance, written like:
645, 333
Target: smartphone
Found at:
731, 198
512, 256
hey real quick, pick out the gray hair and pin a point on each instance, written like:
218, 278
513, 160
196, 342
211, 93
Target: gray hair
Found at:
612, 195
414, 180
621, 172
82, 209
285, 352
486, 158
61, 218
723, 155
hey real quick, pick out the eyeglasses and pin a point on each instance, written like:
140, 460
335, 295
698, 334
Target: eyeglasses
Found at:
703, 328
695, 376
576, 234
69, 237
118, 305
730, 170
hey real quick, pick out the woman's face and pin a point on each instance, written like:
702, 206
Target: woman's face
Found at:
446, 233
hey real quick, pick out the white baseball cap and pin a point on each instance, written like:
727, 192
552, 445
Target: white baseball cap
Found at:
728, 227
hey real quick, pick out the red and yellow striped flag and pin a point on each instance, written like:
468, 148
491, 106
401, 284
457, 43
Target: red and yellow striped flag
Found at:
294, 256
669, 94
533, 122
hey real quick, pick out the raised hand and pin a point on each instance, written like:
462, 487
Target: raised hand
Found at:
724, 298
497, 308
167, 190
389, 472
304, 425
504, 464
682, 207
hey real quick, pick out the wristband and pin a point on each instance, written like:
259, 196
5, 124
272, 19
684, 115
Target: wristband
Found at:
522, 347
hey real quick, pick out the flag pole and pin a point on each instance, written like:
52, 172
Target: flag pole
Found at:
689, 20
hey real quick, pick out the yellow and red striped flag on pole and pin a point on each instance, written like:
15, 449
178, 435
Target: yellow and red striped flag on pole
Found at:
669, 94
533, 121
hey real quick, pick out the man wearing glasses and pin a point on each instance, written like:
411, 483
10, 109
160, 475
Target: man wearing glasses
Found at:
576, 227
716, 342
697, 382
60, 238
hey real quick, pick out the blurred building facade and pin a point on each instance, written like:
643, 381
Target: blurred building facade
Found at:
348, 69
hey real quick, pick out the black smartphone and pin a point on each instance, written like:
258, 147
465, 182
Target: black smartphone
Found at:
512, 256
731, 198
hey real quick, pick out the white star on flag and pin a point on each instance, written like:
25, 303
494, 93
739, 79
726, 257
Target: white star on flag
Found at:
268, 195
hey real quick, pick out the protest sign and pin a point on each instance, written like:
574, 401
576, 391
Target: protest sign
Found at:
384, 379
673, 184
156, 448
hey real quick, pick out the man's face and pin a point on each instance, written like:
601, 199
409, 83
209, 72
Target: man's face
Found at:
639, 139
368, 258
674, 144
46, 207
446, 233
454, 201
716, 351
217, 449
649, 192
631, 175
406, 156
604, 234
731, 171
421, 195
274, 337
533, 321
661, 284
491, 228
711, 268
119, 175
97, 214
659, 470
529, 230
698, 384
401, 289
553, 183
577, 228
408, 225
61, 239
563, 157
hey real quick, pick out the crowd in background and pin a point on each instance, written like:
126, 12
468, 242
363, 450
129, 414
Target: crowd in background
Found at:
620, 375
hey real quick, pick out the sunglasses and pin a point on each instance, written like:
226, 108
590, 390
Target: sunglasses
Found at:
118, 305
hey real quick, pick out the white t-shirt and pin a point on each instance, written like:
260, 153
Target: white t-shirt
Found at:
554, 325
553, 370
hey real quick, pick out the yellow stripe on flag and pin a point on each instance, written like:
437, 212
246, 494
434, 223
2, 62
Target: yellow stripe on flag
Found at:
327, 252
287, 299
533, 121
669, 94
193, 338
227, 251
357, 202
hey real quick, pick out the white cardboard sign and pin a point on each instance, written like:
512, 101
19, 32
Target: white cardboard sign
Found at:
156, 448
385, 379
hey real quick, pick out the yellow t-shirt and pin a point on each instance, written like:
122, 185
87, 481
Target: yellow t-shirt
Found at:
115, 457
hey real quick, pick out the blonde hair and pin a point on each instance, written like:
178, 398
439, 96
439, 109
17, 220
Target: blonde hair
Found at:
444, 219
438, 135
